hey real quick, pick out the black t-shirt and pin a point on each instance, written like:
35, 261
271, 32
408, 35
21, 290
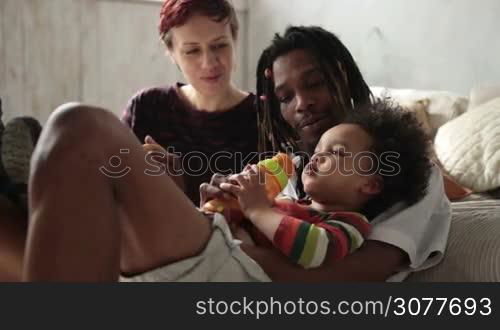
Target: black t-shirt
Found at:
208, 142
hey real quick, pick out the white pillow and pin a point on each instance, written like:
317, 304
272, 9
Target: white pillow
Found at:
482, 94
469, 147
442, 106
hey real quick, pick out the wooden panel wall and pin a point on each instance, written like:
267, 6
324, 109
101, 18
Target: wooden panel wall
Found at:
94, 51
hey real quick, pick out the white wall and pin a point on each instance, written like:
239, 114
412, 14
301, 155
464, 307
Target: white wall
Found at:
103, 51
32, 64
426, 44
95, 51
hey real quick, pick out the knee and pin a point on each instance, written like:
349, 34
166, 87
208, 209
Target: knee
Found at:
76, 119
71, 129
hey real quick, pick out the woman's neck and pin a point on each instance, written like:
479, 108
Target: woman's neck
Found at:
214, 103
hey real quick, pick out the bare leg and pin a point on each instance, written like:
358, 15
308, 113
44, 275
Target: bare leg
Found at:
85, 225
12, 239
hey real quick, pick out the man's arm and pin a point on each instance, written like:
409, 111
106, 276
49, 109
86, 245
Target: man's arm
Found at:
373, 261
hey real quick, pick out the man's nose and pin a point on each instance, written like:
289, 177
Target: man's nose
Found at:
304, 103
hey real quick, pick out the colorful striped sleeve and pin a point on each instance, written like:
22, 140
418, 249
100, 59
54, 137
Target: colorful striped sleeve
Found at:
306, 242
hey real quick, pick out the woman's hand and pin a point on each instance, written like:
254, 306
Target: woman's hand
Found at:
169, 162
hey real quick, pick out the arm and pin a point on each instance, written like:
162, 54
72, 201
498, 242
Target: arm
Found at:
139, 117
302, 234
134, 116
373, 261
390, 247
141, 113
243, 235
308, 240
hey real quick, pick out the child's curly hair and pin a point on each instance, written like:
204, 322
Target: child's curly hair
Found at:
401, 150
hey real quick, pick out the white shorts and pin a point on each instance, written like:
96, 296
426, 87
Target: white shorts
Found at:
221, 261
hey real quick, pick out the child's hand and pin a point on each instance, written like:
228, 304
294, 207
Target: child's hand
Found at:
249, 188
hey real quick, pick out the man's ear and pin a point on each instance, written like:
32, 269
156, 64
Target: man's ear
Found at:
373, 185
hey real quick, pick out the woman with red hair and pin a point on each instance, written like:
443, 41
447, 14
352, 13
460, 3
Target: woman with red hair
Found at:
208, 116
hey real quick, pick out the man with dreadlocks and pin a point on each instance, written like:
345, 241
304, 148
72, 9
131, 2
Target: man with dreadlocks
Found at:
357, 171
307, 82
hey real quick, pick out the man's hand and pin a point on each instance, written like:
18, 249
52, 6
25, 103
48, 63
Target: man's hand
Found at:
212, 190
243, 235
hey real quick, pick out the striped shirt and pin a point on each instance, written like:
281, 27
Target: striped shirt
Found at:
305, 235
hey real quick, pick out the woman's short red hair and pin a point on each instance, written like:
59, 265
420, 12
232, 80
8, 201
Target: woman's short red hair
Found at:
176, 13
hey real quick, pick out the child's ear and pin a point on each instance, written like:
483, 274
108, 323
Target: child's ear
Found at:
373, 185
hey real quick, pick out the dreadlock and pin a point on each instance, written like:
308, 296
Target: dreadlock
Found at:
343, 78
